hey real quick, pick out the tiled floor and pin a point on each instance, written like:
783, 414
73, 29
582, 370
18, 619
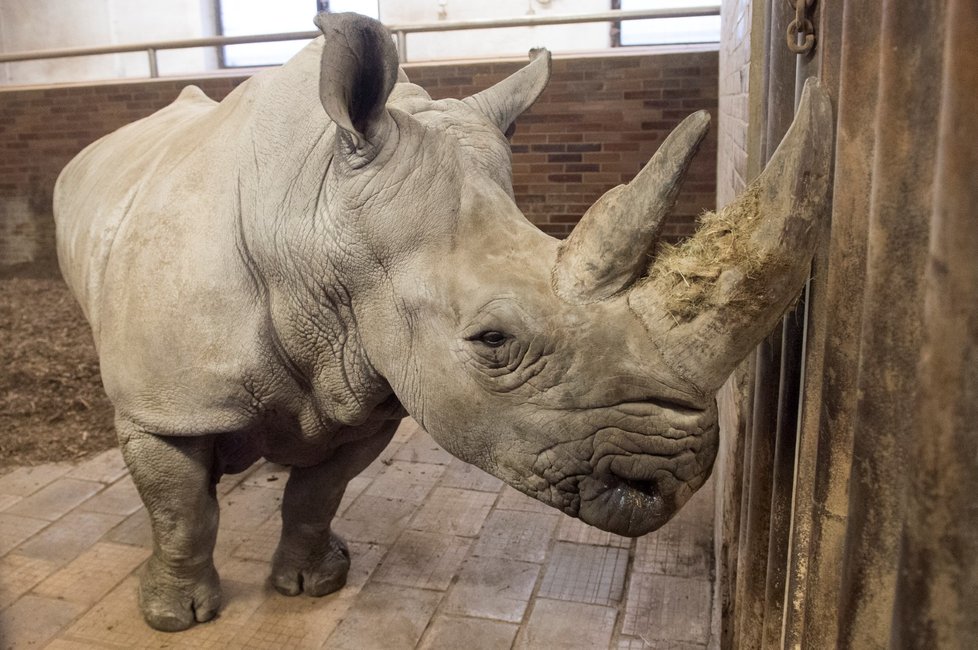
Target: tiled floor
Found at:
444, 556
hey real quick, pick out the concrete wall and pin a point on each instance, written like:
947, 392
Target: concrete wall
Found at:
27, 25
598, 122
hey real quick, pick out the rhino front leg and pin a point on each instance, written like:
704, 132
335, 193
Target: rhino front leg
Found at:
176, 481
310, 557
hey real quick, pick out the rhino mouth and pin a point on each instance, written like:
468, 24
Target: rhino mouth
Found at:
627, 506
635, 492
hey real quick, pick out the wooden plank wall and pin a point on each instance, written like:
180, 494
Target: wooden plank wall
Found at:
878, 468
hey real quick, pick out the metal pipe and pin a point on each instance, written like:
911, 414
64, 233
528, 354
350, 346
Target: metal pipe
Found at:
532, 21
401, 45
154, 70
399, 30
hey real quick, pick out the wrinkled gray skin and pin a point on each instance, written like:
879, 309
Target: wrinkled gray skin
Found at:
266, 279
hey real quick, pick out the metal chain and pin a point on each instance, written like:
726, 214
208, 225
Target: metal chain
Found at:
801, 25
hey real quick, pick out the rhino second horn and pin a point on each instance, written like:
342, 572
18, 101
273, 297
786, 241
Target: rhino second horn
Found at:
608, 250
711, 300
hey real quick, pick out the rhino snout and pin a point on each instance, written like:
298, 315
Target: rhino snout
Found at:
631, 475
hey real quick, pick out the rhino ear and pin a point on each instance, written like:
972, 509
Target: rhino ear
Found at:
359, 70
505, 101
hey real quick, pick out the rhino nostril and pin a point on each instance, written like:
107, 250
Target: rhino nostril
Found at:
648, 488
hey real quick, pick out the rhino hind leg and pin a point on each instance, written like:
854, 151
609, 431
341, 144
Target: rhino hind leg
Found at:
176, 481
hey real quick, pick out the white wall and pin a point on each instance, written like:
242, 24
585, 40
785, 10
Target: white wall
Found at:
497, 42
49, 24
46, 24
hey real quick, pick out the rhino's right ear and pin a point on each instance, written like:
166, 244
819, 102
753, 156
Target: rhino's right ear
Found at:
359, 70
505, 101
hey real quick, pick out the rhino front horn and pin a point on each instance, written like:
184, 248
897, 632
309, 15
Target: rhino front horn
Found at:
708, 302
608, 250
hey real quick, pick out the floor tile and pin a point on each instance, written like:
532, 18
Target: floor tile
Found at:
24, 481
634, 643
453, 511
106, 467
511, 499
292, 622
33, 620
516, 535
247, 507
585, 574
468, 633
120, 498
70, 536
117, 622
354, 488
489, 587
684, 546
423, 560
405, 614
94, 573
574, 530
55, 499
408, 481
421, 448
668, 608
374, 519
565, 625
134, 530
18, 574
462, 475
260, 543
268, 475
14, 529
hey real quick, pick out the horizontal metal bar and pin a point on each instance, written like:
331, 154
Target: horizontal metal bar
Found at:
536, 21
207, 41
211, 41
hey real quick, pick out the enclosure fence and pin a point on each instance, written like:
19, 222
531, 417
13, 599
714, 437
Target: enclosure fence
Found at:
398, 32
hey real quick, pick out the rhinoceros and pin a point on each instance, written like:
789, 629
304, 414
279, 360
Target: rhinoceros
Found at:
290, 272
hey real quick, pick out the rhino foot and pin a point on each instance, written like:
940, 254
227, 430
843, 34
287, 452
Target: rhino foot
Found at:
313, 573
172, 602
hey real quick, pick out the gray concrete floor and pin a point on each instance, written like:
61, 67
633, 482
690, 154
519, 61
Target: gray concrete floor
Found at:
444, 556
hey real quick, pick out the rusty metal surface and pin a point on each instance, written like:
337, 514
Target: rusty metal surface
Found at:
937, 587
826, 64
909, 74
855, 146
884, 525
755, 516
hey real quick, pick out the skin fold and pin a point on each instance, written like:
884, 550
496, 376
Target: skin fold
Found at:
290, 272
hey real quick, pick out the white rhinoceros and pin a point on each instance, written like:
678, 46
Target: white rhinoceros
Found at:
266, 279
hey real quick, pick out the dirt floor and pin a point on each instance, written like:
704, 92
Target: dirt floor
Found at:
52, 406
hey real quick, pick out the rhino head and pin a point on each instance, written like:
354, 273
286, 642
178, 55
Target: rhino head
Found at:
582, 372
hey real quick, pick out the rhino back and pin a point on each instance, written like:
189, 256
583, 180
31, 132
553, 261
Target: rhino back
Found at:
94, 193
147, 223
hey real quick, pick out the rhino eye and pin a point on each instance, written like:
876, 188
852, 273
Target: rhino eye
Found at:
492, 338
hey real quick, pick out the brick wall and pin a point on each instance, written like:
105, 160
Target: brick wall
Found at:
598, 122
734, 107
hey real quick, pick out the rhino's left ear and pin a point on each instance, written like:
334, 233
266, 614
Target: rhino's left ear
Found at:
504, 102
358, 73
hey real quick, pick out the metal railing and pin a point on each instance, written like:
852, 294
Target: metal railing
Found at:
400, 33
